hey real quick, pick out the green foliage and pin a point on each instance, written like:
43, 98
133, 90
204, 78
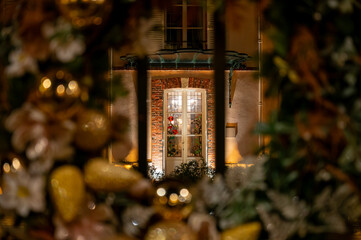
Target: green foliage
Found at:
192, 171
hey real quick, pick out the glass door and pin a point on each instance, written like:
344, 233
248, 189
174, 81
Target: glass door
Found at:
185, 126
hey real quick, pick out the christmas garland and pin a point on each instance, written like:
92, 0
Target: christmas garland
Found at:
55, 125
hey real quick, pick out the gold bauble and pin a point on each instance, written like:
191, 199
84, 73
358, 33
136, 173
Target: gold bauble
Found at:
249, 231
100, 175
173, 200
84, 12
93, 130
58, 94
170, 230
67, 190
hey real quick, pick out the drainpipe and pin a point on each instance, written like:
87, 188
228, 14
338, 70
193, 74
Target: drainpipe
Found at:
260, 80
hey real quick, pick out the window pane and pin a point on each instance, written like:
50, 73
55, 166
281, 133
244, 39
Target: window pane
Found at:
194, 102
194, 147
195, 38
174, 146
194, 124
174, 124
174, 16
174, 38
195, 16
174, 102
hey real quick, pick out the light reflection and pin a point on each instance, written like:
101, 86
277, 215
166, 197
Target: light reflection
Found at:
161, 192
60, 90
16, 164
46, 83
6, 167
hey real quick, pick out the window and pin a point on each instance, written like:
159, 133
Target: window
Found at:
185, 126
185, 25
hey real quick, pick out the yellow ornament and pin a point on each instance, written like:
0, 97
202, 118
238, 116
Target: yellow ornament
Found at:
93, 130
100, 175
67, 190
173, 200
58, 94
84, 12
249, 231
170, 230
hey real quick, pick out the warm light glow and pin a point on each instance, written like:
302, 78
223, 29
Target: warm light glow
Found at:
128, 166
46, 83
161, 192
173, 198
1, 191
73, 85
6, 167
16, 164
60, 90
184, 192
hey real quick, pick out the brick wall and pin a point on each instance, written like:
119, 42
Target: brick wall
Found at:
158, 85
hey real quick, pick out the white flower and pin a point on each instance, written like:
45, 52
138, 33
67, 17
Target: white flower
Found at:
43, 141
63, 43
20, 63
67, 50
23, 193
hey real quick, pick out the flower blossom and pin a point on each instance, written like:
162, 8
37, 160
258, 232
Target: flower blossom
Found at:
23, 193
20, 63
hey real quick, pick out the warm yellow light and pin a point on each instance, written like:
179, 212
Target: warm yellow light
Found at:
73, 85
173, 198
6, 167
161, 192
46, 83
1, 191
16, 164
128, 166
60, 90
184, 192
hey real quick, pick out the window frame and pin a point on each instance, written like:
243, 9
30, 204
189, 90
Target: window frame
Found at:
185, 28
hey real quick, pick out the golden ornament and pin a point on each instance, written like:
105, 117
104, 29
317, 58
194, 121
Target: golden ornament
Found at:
100, 175
67, 190
93, 130
170, 230
173, 200
84, 12
249, 231
58, 94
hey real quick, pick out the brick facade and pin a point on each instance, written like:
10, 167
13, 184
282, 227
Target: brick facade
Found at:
158, 86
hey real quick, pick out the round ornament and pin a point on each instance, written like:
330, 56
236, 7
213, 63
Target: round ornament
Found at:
58, 94
84, 12
93, 130
170, 230
173, 200
100, 175
68, 191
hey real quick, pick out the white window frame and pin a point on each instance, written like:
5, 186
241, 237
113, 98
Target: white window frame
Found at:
184, 157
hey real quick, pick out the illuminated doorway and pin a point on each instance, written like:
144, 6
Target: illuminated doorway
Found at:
184, 126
